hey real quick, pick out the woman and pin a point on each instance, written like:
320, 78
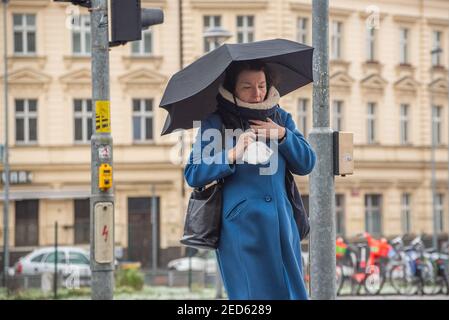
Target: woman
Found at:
259, 252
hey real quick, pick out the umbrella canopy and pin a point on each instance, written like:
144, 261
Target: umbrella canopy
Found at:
191, 93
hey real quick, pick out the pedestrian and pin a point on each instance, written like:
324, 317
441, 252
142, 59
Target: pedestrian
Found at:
259, 253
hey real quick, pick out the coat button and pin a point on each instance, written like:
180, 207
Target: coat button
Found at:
267, 198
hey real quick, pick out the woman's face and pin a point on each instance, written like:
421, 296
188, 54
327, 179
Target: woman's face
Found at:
251, 86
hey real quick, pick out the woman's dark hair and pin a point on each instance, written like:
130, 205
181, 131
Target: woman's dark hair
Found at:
233, 71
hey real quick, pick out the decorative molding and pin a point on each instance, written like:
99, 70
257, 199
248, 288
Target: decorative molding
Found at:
303, 7
407, 85
154, 62
27, 59
405, 19
29, 3
339, 12
438, 71
364, 14
229, 4
154, 3
437, 22
28, 78
370, 67
339, 63
438, 86
374, 82
341, 80
76, 80
69, 61
338, 66
405, 69
142, 79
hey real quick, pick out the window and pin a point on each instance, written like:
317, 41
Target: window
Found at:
78, 258
24, 28
403, 46
439, 208
82, 221
436, 124
302, 29
27, 223
373, 214
404, 123
142, 119
143, 47
371, 44
302, 116
81, 38
371, 123
26, 120
337, 115
436, 44
83, 120
340, 214
406, 213
245, 29
51, 257
38, 258
211, 22
336, 40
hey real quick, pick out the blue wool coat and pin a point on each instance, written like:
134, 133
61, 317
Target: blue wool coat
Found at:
259, 252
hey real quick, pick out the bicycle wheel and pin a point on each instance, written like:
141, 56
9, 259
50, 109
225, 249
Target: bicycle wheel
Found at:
373, 280
338, 278
428, 278
401, 280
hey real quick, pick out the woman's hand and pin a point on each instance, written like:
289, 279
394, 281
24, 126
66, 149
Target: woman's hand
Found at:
268, 129
245, 139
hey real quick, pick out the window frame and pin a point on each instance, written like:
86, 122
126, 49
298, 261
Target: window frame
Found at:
303, 115
143, 115
141, 44
210, 21
25, 31
26, 116
245, 30
86, 119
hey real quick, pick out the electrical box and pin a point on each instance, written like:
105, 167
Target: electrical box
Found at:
343, 153
104, 232
105, 176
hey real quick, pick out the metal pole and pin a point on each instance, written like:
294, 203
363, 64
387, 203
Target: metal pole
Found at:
6, 152
55, 277
433, 181
322, 193
447, 126
154, 242
190, 271
102, 273
432, 157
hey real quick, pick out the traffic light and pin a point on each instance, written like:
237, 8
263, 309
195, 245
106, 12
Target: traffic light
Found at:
128, 19
83, 3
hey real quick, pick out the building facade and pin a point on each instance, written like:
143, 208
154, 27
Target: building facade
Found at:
386, 87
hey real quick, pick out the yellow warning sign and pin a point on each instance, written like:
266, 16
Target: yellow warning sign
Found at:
102, 119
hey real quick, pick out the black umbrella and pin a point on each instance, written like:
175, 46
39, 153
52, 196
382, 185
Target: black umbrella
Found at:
190, 94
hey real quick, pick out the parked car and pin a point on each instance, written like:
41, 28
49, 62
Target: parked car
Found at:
202, 261
71, 261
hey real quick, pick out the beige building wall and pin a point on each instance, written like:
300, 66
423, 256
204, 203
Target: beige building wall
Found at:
55, 77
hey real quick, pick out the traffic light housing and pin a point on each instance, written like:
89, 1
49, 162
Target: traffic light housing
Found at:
83, 3
128, 19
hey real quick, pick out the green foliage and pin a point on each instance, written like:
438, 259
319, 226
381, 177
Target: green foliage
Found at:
130, 278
